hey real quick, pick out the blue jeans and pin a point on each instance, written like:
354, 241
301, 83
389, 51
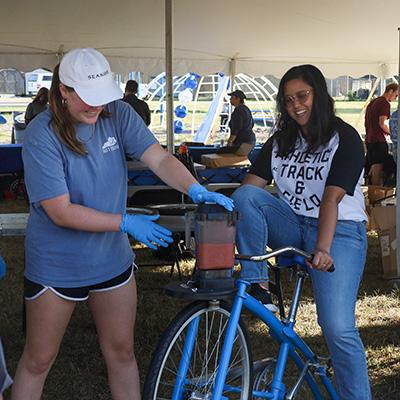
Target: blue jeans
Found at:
265, 220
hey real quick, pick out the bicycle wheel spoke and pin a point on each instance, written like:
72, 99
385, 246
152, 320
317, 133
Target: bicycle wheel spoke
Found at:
201, 366
214, 353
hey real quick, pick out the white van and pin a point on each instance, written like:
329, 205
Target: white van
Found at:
37, 79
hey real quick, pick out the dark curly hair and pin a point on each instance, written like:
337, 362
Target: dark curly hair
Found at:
322, 119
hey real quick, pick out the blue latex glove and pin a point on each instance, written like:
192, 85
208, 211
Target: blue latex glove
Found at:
2, 268
142, 228
199, 194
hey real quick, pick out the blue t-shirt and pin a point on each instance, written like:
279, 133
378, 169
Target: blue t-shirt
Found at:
393, 123
63, 257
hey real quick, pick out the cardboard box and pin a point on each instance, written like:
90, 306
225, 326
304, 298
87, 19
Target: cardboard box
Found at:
376, 196
371, 226
377, 193
385, 220
224, 160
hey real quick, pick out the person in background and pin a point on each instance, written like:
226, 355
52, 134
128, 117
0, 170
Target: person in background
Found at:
393, 127
140, 106
5, 379
242, 138
224, 116
377, 115
76, 246
316, 161
38, 105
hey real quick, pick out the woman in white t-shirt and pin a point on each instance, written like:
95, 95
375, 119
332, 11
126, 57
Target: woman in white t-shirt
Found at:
316, 161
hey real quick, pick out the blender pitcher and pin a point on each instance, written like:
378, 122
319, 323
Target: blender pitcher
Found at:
215, 230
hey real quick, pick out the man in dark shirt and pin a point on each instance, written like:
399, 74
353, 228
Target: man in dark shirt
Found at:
38, 105
139, 106
242, 138
377, 115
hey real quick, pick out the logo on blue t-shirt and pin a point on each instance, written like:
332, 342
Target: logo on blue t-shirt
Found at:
110, 145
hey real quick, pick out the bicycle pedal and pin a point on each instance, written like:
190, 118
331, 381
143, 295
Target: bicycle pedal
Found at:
199, 396
322, 367
325, 360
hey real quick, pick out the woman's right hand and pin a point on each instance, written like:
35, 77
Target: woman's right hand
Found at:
322, 260
143, 229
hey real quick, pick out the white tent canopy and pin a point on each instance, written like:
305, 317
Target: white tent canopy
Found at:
342, 37
258, 37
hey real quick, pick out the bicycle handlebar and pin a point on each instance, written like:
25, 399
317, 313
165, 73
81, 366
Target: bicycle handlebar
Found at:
279, 252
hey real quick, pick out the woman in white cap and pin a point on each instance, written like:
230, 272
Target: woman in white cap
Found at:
76, 243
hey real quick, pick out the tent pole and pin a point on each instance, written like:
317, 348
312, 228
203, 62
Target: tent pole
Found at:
168, 75
232, 73
398, 174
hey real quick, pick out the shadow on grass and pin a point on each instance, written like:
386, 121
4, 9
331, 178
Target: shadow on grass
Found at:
79, 371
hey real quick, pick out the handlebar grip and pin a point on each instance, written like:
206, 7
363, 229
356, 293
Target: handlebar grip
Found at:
331, 268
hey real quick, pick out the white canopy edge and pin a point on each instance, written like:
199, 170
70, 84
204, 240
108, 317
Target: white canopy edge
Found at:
262, 36
154, 65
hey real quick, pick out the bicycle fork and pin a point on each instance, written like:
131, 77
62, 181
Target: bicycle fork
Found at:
228, 342
185, 360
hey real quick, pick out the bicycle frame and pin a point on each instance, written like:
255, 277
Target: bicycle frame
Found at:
291, 345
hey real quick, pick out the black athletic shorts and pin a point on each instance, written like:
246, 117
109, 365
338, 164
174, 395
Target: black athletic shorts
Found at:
33, 290
377, 153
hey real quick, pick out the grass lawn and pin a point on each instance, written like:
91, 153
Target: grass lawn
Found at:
79, 371
348, 110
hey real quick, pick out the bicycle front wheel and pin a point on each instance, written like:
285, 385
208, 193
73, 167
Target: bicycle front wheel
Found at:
196, 335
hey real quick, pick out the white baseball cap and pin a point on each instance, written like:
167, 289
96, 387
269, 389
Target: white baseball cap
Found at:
88, 72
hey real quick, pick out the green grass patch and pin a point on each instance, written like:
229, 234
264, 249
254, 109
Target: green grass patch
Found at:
79, 371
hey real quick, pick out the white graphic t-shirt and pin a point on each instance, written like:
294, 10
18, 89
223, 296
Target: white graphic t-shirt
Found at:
301, 176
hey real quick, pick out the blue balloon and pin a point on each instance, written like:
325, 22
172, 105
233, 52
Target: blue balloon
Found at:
181, 111
179, 126
2, 268
2, 119
191, 82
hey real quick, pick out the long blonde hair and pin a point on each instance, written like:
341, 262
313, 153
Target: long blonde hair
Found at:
62, 120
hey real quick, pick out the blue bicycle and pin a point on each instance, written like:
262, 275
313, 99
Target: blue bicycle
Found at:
205, 354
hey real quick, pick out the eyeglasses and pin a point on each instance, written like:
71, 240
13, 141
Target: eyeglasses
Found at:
301, 96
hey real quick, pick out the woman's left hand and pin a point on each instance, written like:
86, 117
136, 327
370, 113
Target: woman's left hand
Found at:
199, 194
321, 260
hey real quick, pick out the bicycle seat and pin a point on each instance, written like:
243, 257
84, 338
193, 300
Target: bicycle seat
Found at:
289, 261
